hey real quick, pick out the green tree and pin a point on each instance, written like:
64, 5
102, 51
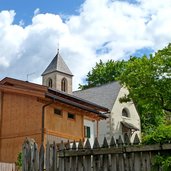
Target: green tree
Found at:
103, 72
149, 82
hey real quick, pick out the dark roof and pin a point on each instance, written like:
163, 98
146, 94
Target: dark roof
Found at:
11, 84
77, 102
104, 95
57, 64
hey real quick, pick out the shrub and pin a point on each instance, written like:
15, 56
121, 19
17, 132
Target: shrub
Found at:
161, 134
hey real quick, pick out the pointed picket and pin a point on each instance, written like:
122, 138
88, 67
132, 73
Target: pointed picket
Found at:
80, 145
61, 146
120, 141
80, 159
126, 139
112, 142
41, 158
48, 156
136, 140
87, 144
67, 145
96, 144
74, 146
54, 156
24, 156
87, 163
35, 159
105, 143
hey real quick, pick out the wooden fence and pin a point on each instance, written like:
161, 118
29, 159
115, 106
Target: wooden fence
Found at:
7, 166
113, 156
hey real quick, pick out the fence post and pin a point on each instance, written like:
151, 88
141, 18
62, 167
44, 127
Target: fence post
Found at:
62, 157
54, 156
35, 158
96, 158
67, 161
29, 155
48, 157
113, 159
41, 158
120, 162
105, 158
87, 147
80, 159
73, 158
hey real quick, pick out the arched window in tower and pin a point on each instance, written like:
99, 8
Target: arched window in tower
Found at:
64, 85
49, 83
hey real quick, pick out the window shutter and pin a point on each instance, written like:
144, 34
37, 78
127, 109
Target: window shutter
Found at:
88, 132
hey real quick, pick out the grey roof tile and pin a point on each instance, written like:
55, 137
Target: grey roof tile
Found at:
57, 64
104, 95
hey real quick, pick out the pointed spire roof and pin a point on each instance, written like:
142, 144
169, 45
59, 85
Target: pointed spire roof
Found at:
57, 64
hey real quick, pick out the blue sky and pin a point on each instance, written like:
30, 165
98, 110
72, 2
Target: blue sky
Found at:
25, 8
86, 30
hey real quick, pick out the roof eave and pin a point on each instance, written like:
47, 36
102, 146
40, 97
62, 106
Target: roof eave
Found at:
74, 104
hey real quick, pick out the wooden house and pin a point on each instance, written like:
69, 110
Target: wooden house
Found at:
42, 113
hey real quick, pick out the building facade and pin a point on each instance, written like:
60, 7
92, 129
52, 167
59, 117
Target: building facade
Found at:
123, 117
42, 113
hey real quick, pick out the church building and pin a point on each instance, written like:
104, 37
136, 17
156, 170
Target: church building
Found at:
123, 118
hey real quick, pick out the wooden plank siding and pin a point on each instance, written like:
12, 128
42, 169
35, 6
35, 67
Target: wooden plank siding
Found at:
22, 107
21, 117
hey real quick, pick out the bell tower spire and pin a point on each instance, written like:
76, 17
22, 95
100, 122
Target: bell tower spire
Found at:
57, 75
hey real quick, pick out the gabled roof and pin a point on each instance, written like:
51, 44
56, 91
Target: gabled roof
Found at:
12, 85
57, 64
22, 87
104, 95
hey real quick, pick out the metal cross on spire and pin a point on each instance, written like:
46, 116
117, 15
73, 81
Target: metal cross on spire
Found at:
58, 47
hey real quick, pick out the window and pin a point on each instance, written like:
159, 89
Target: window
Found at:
50, 82
86, 131
64, 85
58, 112
71, 116
125, 112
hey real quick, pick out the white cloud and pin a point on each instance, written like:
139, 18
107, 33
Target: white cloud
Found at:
116, 28
36, 11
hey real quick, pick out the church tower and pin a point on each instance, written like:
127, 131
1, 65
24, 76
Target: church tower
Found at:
57, 75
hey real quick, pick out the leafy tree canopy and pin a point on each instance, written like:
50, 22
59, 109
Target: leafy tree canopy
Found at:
103, 72
149, 82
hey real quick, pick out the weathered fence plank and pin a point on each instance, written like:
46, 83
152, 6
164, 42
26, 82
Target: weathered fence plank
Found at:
119, 155
41, 158
61, 166
48, 157
80, 164
88, 163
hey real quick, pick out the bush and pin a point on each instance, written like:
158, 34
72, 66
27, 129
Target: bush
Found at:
161, 134
19, 160
163, 161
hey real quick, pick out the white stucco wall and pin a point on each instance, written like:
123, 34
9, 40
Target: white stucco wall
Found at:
112, 126
90, 124
103, 130
116, 115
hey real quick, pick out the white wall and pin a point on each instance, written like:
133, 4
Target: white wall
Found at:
90, 124
116, 115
